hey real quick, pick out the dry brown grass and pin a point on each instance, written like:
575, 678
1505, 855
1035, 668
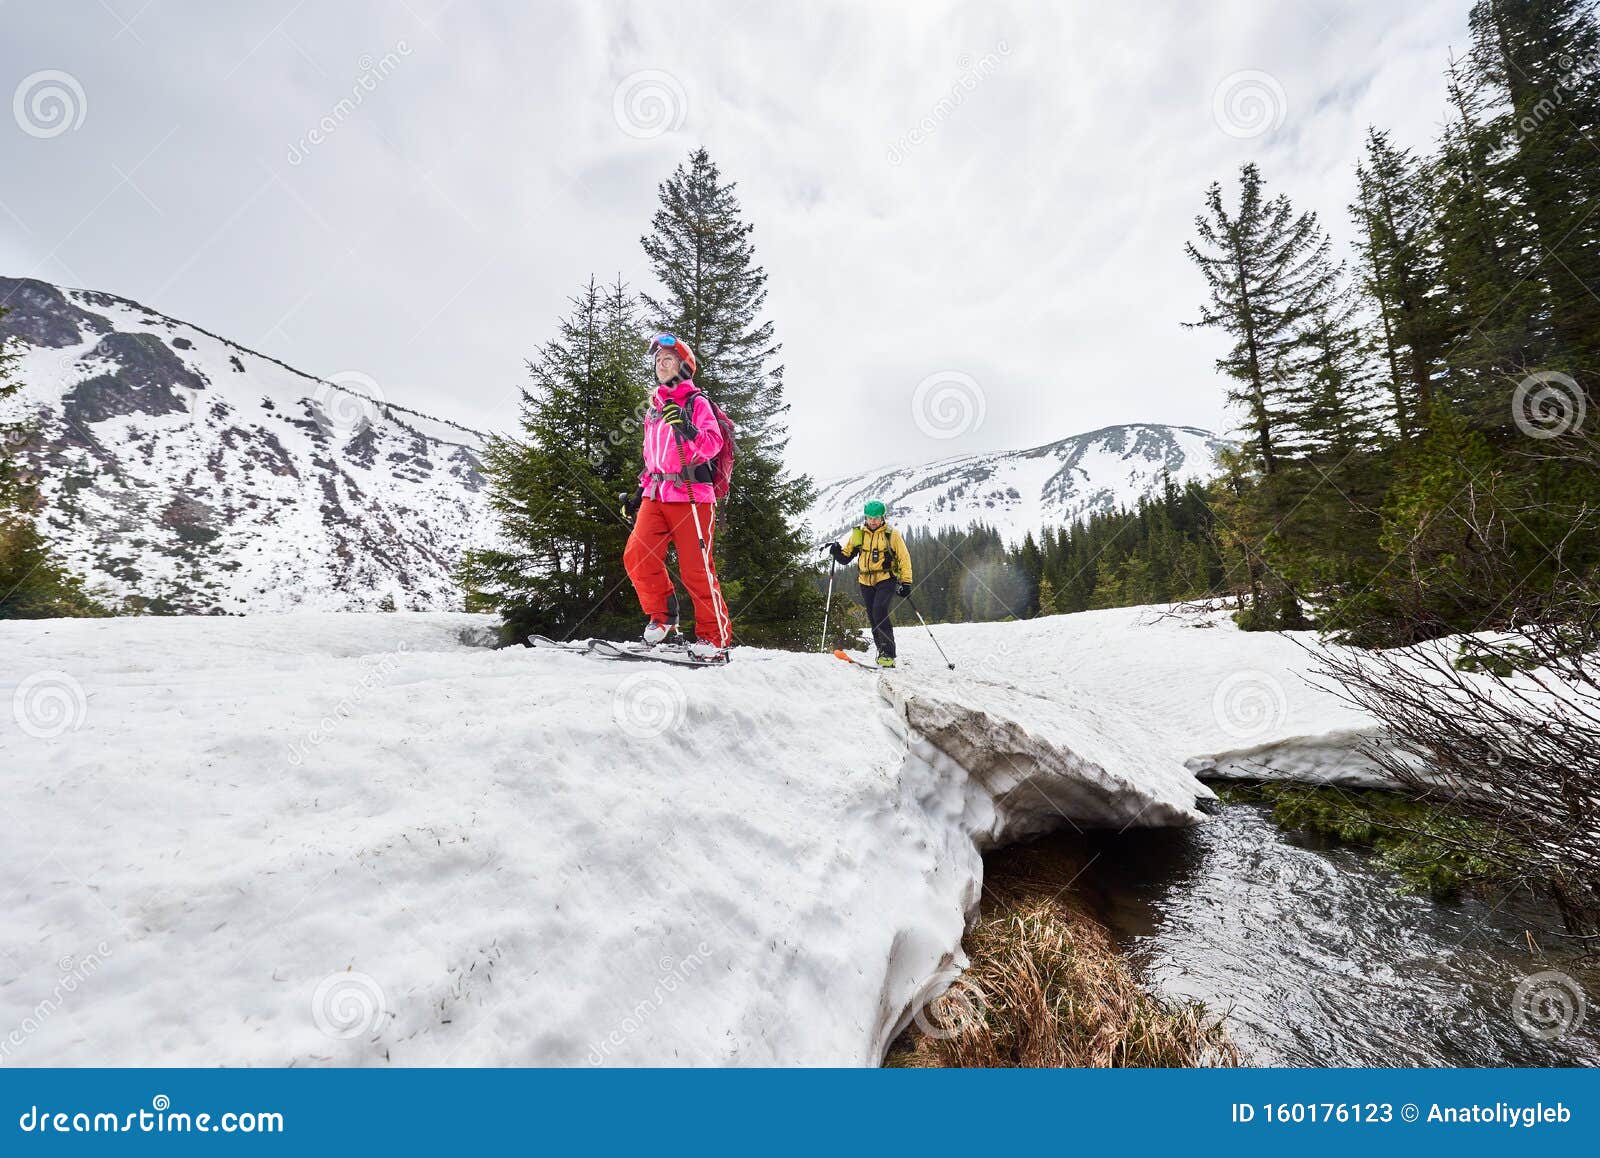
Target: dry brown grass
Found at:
1048, 986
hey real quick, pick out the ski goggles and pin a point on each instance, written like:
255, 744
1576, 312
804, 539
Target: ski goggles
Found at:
663, 341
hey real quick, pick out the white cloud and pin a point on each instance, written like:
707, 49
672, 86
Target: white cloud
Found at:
1032, 237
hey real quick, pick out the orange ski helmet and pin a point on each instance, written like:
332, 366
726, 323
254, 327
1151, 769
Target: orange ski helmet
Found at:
679, 348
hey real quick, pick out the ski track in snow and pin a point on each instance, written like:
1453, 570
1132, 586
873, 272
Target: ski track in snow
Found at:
353, 839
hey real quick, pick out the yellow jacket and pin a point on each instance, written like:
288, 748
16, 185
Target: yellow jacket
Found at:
879, 555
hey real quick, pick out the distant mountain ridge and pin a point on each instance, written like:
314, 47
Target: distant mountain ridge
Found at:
1019, 491
189, 473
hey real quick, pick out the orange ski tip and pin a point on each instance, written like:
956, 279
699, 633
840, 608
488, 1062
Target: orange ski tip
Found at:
839, 653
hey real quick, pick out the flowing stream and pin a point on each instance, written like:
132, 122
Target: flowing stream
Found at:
1319, 960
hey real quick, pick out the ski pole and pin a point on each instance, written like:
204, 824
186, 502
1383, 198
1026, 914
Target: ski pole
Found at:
929, 630
828, 606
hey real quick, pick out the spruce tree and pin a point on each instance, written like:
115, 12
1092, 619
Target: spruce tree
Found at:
1273, 288
1535, 64
557, 569
1268, 270
1047, 596
1333, 404
1490, 258
712, 292
1398, 268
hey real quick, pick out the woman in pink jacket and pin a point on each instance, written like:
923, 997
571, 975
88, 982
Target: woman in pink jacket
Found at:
676, 504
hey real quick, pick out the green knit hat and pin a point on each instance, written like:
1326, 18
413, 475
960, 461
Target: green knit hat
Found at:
874, 510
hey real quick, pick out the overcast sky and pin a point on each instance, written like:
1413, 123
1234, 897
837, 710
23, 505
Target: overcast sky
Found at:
972, 215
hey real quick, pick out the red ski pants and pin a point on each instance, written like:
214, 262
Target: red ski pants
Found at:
645, 558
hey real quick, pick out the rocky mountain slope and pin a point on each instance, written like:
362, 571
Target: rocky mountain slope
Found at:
1025, 490
186, 473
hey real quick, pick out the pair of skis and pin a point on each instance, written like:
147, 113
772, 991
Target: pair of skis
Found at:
607, 649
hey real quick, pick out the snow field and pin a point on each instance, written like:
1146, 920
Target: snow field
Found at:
351, 839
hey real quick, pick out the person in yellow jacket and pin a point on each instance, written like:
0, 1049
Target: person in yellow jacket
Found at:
883, 565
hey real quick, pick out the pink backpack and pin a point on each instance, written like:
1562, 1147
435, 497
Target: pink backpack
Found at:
721, 467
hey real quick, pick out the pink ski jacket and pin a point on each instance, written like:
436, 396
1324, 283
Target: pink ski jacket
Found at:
663, 469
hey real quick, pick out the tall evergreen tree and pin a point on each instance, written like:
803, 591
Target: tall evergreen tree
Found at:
1534, 63
712, 292
1398, 267
1274, 288
558, 567
1333, 404
1490, 258
1269, 271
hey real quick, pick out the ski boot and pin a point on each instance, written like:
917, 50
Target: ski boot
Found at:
656, 632
886, 661
704, 651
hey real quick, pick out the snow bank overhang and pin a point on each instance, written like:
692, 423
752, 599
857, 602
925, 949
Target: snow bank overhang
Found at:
1340, 758
1044, 764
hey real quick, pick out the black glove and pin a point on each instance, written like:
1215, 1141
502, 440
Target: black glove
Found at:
630, 503
676, 417
903, 590
838, 554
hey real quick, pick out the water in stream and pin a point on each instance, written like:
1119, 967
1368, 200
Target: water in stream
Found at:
1319, 960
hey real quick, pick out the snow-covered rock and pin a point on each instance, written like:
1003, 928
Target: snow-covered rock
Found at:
358, 839
200, 476
1181, 685
1025, 490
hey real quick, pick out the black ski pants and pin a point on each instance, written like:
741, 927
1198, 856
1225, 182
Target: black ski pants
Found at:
879, 600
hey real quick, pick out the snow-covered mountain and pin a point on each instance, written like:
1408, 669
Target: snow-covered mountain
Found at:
1025, 490
196, 475
193, 474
